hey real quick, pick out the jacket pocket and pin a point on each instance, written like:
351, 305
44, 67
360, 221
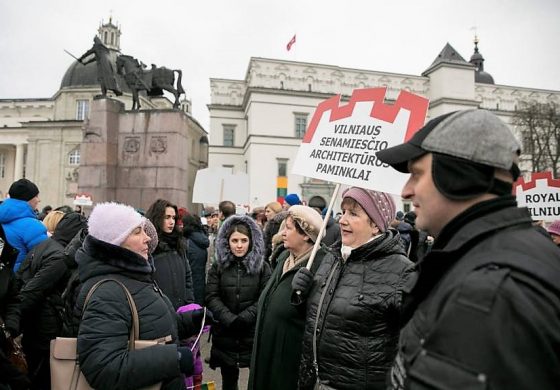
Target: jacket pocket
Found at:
433, 371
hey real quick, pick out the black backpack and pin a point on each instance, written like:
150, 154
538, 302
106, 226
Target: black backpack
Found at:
8, 254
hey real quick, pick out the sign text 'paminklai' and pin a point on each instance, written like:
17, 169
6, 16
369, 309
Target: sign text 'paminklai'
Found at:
341, 141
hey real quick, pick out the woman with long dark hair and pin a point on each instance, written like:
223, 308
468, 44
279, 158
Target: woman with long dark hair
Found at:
173, 271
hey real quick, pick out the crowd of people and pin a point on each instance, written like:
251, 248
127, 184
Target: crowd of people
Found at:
461, 292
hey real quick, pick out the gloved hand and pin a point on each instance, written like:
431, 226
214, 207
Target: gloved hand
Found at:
197, 316
185, 359
238, 324
302, 281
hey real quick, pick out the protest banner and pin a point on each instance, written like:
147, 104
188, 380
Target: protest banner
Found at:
541, 195
83, 200
213, 185
341, 141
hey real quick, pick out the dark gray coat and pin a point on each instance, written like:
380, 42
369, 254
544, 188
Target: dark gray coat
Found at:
197, 253
232, 292
485, 308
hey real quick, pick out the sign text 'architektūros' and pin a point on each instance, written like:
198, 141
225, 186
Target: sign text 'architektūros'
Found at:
341, 141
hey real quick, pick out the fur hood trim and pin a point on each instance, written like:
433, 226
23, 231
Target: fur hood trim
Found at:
254, 258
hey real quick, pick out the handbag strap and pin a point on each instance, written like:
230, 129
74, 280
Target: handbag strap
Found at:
135, 329
319, 306
201, 330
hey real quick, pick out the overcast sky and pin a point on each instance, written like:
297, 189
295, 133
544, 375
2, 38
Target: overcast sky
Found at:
518, 38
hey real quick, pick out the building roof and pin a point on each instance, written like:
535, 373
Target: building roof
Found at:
448, 55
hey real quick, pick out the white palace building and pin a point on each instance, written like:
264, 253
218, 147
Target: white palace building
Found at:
256, 124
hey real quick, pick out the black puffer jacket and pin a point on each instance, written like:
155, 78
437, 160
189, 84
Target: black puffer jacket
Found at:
43, 275
106, 322
232, 292
173, 273
359, 318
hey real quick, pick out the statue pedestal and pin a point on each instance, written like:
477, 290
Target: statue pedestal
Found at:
136, 157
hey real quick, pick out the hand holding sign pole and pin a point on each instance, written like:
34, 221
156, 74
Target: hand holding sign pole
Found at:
341, 142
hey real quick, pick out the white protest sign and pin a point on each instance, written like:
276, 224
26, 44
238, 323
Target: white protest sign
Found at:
341, 141
83, 200
213, 185
541, 195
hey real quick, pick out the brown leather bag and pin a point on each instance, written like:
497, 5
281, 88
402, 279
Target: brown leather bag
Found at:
65, 368
15, 355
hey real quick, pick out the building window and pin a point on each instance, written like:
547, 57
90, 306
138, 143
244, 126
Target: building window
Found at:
82, 109
282, 167
74, 157
229, 135
2, 165
300, 125
229, 167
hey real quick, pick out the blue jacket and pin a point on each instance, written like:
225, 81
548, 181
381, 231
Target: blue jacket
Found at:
23, 229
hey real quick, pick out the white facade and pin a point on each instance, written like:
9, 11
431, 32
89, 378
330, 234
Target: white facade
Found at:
264, 106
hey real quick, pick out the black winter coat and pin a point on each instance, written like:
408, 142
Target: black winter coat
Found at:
197, 253
11, 376
485, 308
106, 322
332, 233
43, 276
359, 318
232, 292
280, 325
173, 274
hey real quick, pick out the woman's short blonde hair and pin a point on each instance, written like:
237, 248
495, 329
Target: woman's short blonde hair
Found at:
52, 219
274, 206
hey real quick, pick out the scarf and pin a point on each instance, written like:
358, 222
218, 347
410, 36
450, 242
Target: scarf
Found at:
170, 239
345, 250
292, 261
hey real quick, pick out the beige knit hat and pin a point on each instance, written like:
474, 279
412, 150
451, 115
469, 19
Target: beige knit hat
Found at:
308, 219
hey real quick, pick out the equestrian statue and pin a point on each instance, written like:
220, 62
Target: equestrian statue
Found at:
154, 81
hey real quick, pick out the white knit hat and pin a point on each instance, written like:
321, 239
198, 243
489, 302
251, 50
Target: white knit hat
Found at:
113, 222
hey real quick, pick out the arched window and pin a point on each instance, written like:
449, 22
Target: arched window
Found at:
74, 157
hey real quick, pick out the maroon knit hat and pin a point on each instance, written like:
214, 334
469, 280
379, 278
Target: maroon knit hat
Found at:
554, 227
379, 206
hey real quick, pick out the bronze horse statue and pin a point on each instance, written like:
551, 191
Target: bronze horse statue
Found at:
153, 81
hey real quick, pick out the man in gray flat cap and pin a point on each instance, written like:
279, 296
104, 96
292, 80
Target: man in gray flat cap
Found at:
484, 312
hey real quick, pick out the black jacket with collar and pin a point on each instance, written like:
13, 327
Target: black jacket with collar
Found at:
173, 273
485, 310
104, 329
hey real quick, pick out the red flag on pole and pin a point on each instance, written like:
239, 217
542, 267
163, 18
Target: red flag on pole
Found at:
292, 41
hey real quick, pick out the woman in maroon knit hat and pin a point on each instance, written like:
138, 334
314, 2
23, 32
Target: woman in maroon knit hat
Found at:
354, 299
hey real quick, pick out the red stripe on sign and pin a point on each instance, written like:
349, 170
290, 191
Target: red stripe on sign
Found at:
417, 105
533, 182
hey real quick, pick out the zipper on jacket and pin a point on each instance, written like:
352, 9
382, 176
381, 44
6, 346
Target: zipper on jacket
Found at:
156, 287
